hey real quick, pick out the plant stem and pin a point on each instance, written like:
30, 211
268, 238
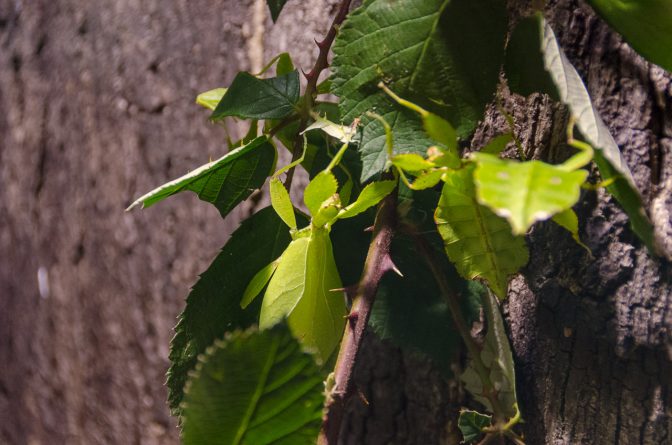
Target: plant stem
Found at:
321, 63
377, 263
474, 350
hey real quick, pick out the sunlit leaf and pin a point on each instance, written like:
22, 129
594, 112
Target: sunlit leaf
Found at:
282, 203
478, 242
371, 195
525, 192
211, 98
304, 289
411, 162
322, 187
259, 281
568, 220
444, 55
213, 304
254, 387
225, 182
253, 98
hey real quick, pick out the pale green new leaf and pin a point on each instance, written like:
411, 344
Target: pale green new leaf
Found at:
496, 356
371, 195
479, 243
567, 85
305, 291
444, 55
471, 424
211, 98
411, 162
343, 133
427, 180
525, 192
568, 220
645, 24
225, 182
322, 187
282, 203
258, 283
254, 387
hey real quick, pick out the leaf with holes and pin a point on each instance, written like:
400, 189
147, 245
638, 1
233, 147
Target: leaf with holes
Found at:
254, 387
254, 98
305, 291
213, 304
225, 182
525, 192
444, 55
479, 243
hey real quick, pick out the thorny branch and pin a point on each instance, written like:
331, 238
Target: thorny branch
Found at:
378, 262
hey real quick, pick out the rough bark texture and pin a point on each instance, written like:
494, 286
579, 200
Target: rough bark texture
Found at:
96, 106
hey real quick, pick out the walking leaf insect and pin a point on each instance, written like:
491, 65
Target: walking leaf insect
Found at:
304, 285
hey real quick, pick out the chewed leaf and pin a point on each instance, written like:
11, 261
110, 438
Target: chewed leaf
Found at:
303, 290
253, 98
569, 221
254, 387
259, 281
478, 242
282, 204
225, 182
211, 98
525, 192
371, 195
497, 358
322, 187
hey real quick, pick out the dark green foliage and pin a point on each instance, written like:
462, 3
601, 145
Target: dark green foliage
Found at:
254, 98
276, 7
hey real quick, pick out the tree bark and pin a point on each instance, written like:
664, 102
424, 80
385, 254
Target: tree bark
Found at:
96, 107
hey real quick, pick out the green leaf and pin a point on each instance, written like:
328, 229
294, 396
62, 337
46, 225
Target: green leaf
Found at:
254, 388
282, 203
444, 55
497, 144
496, 356
478, 242
645, 24
225, 182
525, 192
371, 195
471, 424
211, 98
252, 98
285, 64
305, 290
275, 6
259, 281
568, 220
322, 187
213, 305
411, 162
570, 89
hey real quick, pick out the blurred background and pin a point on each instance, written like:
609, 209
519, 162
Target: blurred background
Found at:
96, 108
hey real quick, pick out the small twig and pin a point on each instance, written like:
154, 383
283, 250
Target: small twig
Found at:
321, 63
378, 262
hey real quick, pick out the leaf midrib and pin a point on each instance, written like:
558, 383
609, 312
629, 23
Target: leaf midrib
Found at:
242, 429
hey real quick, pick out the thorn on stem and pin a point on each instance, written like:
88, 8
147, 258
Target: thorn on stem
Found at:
388, 264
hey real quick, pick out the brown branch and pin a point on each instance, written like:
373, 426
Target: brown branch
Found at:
378, 262
321, 63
